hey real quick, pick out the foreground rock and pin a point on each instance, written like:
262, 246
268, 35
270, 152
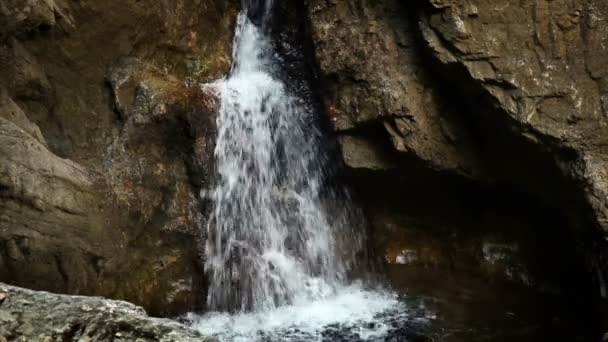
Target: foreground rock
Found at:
27, 315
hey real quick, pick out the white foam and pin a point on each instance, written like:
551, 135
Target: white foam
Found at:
363, 313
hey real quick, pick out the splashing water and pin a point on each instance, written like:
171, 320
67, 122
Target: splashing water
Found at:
352, 314
269, 240
275, 256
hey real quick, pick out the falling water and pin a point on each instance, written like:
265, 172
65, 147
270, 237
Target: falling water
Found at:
276, 256
269, 239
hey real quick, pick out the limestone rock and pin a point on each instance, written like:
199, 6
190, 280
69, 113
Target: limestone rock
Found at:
538, 71
12, 112
501, 92
47, 226
99, 179
27, 315
163, 121
18, 16
372, 76
363, 153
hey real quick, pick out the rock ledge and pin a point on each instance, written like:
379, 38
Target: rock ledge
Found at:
27, 315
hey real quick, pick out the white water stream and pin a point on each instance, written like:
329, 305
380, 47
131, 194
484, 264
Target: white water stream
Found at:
276, 264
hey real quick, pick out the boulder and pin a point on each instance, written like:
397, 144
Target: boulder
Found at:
27, 315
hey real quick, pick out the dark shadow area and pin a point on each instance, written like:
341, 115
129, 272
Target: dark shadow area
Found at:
495, 263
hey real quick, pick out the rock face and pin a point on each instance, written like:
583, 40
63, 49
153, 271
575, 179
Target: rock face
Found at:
45, 199
496, 92
106, 139
373, 79
540, 70
27, 315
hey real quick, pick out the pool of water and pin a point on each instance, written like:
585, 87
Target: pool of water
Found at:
352, 313
424, 305
475, 309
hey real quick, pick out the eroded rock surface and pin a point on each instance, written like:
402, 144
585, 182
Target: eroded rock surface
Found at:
106, 136
45, 199
372, 76
500, 92
538, 71
106, 142
27, 315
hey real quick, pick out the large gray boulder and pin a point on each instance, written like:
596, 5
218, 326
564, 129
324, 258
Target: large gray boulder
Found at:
27, 315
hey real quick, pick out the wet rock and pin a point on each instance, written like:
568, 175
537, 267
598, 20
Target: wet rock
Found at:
164, 120
143, 93
362, 153
17, 17
372, 76
27, 315
100, 189
537, 73
497, 92
46, 225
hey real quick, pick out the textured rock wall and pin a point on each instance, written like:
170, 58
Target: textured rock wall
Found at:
538, 68
105, 143
373, 78
27, 315
498, 92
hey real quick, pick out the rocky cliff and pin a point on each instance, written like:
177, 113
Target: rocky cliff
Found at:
105, 142
445, 97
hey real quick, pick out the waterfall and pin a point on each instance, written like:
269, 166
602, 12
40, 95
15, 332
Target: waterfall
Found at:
270, 241
282, 235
